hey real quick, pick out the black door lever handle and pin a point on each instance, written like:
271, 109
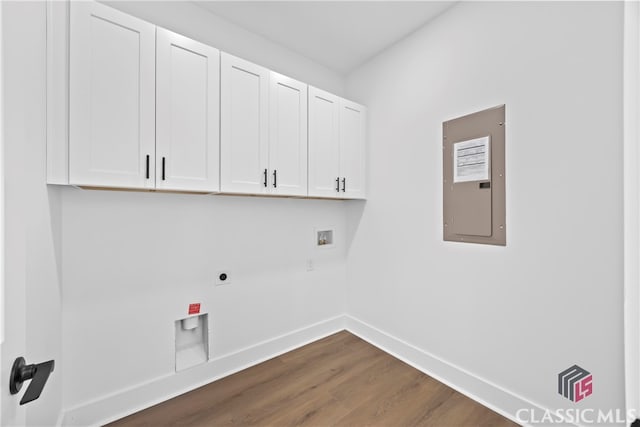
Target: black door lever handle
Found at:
37, 373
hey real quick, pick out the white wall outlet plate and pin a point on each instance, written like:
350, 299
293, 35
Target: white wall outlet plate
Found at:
223, 277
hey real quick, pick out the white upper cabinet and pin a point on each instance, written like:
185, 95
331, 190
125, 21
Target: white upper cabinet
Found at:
336, 146
143, 110
187, 114
134, 106
287, 136
324, 144
244, 126
263, 147
111, 99
352, 150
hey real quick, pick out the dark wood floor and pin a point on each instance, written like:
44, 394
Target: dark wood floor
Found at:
338, 381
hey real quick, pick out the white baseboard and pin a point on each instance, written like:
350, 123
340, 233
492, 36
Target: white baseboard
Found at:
492, 396
126, 402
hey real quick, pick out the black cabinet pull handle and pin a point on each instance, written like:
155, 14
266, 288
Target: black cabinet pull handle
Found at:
147, 174
163, 159
338, 184
275, 178
344, 184
265, 177
37, 373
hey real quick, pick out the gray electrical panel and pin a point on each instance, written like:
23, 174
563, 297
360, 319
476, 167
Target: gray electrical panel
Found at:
474, 178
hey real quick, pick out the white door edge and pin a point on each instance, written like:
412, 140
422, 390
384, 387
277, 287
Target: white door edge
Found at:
632, 206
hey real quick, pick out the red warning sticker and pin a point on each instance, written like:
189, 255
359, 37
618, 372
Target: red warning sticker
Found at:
194, 308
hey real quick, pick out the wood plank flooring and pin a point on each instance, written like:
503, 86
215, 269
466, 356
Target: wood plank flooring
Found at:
340, 380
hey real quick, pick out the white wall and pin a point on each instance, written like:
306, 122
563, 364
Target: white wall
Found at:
514, 316
188, 19
132, 262
32, 215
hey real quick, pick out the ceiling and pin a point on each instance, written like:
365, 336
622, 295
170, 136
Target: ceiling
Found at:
340, 35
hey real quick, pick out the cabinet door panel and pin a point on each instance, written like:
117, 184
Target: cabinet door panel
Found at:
352, 150
288, 136
324, 145
244, 115
112, 97
187, 139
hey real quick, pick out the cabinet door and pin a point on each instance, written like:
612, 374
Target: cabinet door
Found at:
287, 136
111, 99
244, 138
324, 144
187, 114
352, 150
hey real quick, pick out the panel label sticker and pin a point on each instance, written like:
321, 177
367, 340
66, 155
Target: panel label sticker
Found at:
471, 160
194, 308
